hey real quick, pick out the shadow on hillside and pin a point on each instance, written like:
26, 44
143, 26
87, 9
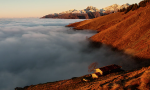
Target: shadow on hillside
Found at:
141, 62
94, 45
136, 62
91, 47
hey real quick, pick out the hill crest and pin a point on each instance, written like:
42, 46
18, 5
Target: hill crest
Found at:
128, 32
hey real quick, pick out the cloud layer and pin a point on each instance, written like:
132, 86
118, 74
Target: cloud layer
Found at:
37, 51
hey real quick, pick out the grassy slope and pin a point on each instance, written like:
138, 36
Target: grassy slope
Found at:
129, 32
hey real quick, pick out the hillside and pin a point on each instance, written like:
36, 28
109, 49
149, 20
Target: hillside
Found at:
127, 80
128, 32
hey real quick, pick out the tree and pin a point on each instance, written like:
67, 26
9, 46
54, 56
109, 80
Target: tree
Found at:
122, 10
129, 8
147, 0
135, 7
142, 3
92, 66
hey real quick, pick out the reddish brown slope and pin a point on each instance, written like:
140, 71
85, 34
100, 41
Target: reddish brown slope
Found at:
99, 23
133, 80
129, 32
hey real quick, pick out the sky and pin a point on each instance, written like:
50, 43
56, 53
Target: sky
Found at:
39, 8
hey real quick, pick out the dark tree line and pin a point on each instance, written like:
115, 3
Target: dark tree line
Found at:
143, 3
134, 6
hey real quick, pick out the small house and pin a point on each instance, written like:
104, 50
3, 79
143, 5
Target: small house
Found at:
106, 70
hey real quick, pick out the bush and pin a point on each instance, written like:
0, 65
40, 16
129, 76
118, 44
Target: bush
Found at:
132, 7
142, 4
129, 8
147, 0
135, 7
145, 81
122, 10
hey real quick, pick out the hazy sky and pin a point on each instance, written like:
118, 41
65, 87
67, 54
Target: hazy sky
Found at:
39, 8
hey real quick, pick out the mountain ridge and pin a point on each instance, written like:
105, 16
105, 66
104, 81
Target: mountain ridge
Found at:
88, 13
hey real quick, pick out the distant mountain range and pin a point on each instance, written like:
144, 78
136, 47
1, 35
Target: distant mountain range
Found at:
115, 7
88, 13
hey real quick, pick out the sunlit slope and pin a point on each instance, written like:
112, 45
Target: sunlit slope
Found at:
99, 23
129, 32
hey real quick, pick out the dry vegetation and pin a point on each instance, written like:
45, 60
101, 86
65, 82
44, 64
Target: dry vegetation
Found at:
129, 32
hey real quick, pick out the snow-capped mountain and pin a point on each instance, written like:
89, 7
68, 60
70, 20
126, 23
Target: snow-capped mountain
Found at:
87, 13
115, 7
111, 8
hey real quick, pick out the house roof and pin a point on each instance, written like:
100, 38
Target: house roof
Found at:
110, 67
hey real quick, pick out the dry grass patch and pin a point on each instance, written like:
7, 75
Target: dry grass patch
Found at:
117, 87
106, 87
145, 81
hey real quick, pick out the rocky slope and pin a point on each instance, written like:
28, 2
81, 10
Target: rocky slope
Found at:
128, 32
88, 13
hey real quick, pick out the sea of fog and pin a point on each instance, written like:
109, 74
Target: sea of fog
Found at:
34, 51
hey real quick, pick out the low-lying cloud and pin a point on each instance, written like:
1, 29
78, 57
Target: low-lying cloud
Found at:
37, 51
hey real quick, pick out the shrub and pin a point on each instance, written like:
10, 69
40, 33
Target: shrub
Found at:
116, 87
129, 8
135, 7
142, 4
122, 10
145, 81
92, 66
